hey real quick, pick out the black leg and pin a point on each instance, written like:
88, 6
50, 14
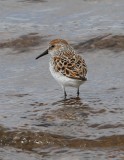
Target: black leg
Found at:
65, 95
78, 92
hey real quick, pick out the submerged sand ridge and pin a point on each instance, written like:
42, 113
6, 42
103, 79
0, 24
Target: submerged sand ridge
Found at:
30, 140
109, 42
24, 43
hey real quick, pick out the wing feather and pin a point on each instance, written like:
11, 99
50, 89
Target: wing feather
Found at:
70, 65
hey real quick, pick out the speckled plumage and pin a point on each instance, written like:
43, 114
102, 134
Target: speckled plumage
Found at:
70, 65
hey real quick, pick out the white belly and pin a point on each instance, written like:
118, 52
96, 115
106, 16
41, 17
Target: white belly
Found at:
63, 80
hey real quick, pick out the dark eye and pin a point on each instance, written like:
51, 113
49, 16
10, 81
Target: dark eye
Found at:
52, 46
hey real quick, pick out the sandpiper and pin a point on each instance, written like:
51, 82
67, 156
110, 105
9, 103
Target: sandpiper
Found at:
66, 66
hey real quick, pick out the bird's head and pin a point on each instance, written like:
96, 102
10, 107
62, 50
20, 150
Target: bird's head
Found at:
56, 46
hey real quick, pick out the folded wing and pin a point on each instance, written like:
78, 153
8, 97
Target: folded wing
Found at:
71, 65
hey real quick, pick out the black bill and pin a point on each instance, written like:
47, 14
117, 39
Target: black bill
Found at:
43, 54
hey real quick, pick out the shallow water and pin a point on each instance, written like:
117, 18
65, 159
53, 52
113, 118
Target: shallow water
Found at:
35, 120
74, 154
73, 20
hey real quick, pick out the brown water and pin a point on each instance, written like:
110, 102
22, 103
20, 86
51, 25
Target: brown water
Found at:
36, 123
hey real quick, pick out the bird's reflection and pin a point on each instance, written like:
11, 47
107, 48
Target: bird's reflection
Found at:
72, 107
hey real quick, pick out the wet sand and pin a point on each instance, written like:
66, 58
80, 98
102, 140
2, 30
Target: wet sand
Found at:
35, 121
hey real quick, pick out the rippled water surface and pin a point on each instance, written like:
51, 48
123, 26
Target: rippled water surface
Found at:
35, 121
